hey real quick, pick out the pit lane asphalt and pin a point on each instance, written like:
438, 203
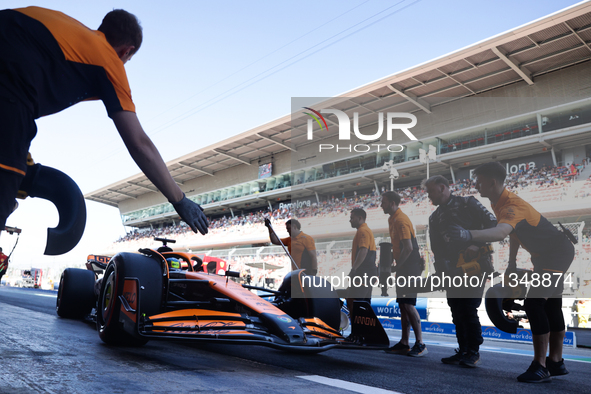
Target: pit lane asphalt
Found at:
40, 352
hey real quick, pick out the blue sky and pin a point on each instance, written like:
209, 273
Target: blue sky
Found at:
209, 70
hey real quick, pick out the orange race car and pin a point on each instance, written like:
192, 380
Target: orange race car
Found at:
162, 294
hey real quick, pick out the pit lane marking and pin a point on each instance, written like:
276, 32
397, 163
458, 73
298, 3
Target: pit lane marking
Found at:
45, 295
518, 352
342, 384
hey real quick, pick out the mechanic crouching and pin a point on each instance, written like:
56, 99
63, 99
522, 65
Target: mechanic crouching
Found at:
459, 258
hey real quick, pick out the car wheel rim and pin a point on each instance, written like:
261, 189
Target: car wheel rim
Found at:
107, 297
59, 292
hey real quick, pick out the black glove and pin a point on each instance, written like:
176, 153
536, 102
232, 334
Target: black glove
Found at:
267, 222
456, 233
192, 214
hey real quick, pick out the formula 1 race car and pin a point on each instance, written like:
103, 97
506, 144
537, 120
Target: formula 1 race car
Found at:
162, 294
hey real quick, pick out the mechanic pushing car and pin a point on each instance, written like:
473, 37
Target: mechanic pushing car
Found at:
551, 255
49, 62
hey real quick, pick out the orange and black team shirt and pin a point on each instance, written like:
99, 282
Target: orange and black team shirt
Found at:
364, 239
533, 231
51, 62
297, 245
3, 263
400, 228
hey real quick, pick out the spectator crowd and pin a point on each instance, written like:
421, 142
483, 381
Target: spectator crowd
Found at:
524, 181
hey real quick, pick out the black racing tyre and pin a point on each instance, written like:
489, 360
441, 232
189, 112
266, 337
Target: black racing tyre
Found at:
75, 296
149, 272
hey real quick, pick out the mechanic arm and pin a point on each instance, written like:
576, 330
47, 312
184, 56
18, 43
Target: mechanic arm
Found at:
497, 233
361, 255
313, 259
513, 249
407, 249
484, 218
272, 236
144, 153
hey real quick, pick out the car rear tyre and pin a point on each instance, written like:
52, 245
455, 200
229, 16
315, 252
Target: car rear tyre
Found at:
75, 296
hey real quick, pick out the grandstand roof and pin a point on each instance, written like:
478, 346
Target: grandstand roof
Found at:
556, 41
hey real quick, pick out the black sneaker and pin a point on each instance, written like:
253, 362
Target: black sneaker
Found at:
471, 359
455, 359
399, 348
556, 368
418, 350
535, 374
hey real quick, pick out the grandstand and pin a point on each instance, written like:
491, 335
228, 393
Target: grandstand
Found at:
522, 97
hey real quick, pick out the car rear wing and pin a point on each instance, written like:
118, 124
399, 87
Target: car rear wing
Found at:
97, 263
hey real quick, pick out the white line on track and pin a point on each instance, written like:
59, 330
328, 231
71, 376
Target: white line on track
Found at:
501, 350
45, 295
342, 384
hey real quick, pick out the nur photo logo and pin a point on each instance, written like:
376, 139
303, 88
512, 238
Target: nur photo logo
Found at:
393, 123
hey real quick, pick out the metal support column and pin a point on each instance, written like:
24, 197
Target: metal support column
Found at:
453, 176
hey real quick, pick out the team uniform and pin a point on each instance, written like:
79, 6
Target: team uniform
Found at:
296, 247
363, 239
400, 228
470, 214
551, 252
48, 62
3, 264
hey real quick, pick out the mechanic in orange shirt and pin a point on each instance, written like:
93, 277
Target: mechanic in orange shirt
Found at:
3, 263
49, 62
300, 246
363, 260
408, 264
551, 253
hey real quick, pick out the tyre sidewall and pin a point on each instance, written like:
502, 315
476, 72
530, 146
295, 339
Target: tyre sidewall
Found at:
76, 296
107, 322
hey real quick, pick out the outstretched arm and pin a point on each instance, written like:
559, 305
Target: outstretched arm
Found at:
498, 233
144, 153
494, 234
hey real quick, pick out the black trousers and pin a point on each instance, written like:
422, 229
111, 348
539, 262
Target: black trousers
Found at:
17, 129
464, 312
384, 276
